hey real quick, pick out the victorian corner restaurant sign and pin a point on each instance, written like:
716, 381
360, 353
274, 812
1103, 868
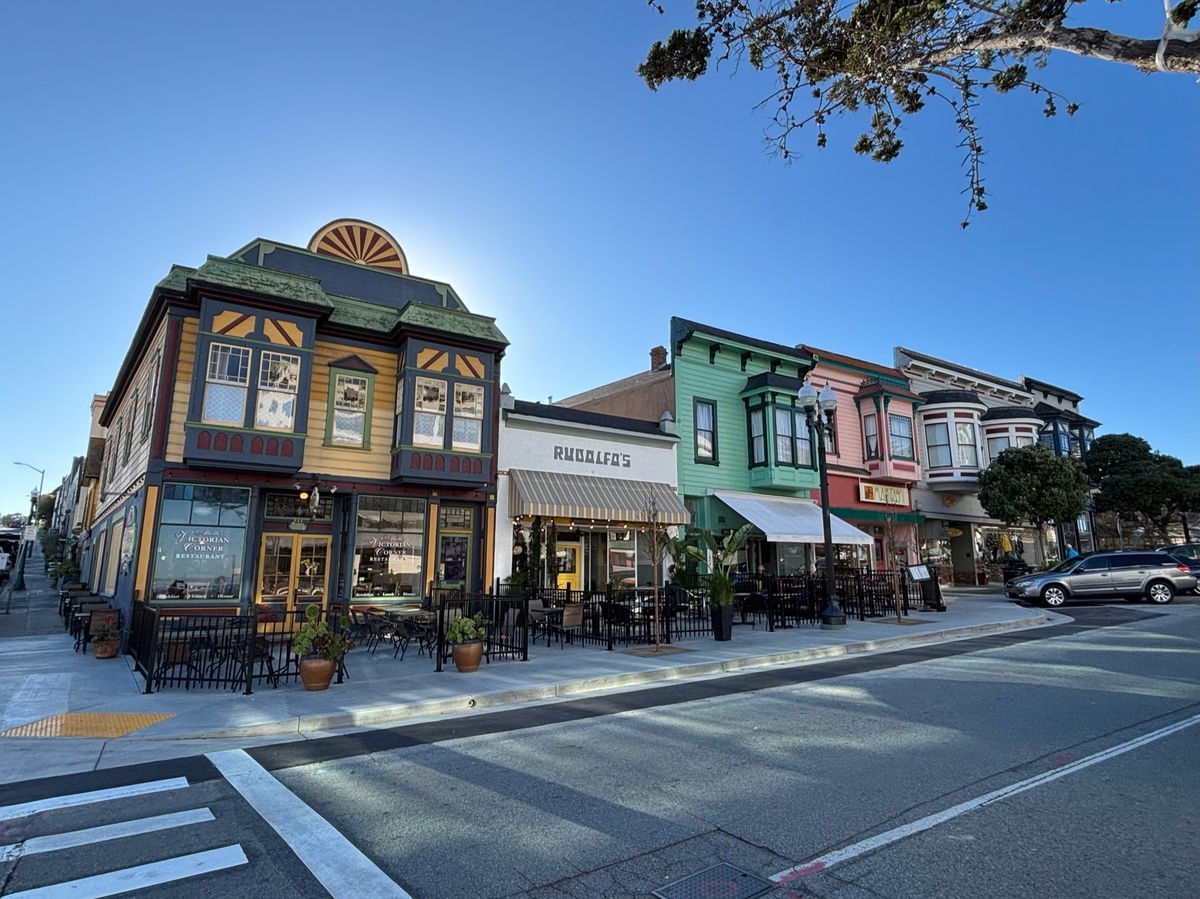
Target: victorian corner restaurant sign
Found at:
200, 543
882, 493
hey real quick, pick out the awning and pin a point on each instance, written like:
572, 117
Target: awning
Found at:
786, 519
554, 494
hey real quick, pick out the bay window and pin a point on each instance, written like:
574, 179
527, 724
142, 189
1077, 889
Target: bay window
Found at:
226, 383
429, 412
758, 439
968, 455
468, 417
783, 436
871, 436
900, 436
278, 380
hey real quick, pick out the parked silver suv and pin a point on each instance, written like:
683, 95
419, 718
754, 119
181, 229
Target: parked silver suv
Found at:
1155, 576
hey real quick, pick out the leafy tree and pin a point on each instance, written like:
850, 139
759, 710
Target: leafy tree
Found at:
1030, 483
886, 59
1136, 483
12, 520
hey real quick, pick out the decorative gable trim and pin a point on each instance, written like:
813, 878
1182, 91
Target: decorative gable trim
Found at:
354, 363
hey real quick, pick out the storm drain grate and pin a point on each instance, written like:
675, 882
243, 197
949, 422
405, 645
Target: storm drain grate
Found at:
721, 881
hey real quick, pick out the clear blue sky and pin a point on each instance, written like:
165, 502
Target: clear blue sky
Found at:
512, 151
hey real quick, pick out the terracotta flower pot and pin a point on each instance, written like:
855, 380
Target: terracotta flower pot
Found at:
467, 655
316, 673
105, 649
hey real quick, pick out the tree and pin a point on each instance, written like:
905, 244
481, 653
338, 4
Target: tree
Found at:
1030, 483
888, 58
1153, 489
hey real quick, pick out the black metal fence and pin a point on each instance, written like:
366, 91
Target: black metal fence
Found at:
795, 600
227, 651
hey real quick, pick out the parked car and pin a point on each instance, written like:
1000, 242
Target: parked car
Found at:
1188, 554
1135, 574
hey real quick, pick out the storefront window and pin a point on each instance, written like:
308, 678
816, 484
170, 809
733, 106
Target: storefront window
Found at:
201, 542
622, 560
389, 547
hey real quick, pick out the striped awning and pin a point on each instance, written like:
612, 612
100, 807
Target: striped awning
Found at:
555, 494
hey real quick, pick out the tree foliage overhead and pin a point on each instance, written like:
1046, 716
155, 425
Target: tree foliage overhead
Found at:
1152, 489
1031, 484
888, 59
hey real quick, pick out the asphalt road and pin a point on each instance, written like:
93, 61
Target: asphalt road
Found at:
771, 772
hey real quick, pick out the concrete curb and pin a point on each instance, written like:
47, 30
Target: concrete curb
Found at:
470, 704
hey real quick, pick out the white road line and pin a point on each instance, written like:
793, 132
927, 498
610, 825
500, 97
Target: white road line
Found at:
23, 809
899, 833
70, 839
336, 862
141, 877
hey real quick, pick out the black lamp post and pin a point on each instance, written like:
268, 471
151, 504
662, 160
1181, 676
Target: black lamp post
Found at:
27, 548
818, 415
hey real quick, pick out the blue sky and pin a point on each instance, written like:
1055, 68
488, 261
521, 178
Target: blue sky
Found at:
512, 151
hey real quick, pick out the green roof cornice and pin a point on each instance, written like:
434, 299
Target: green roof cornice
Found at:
176, 279
351, 313
220, 272
451, 321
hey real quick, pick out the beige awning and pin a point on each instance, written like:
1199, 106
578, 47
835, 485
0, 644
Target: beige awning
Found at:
554, 494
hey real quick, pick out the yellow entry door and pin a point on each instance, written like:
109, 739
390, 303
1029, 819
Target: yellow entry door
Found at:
293, 569
569, 575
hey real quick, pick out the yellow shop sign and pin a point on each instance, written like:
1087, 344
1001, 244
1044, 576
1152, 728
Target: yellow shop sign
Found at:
882, 493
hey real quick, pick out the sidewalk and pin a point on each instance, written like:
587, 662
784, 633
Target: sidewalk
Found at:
40, 678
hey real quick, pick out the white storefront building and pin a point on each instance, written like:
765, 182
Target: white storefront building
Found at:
585, 492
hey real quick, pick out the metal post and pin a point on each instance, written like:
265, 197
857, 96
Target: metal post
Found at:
832, 616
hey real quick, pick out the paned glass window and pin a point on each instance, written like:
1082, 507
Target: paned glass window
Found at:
201, 543
398, 418
900, 435
871, 436
226, 382
468, 417
429, 412
148, 396
783, 437
804, 453
278, 379
937, 445
706, 431
389, 547
1025, 440
350, 403
997, 445
968, 455
758, 440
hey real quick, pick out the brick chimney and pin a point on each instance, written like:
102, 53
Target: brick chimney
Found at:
658, 358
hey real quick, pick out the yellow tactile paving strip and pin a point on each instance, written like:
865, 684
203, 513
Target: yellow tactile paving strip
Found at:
85, 724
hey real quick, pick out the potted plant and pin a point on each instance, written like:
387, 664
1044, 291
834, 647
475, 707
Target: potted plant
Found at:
320, 648
62, 568
466, 634
720, 576
106, 640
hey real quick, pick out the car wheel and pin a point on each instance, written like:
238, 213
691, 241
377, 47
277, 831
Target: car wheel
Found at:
1160, 592
1054, 596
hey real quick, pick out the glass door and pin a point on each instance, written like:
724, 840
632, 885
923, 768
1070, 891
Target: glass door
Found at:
456, 527
293, 569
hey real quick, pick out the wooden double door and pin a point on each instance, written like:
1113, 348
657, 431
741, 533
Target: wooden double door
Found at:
293, 569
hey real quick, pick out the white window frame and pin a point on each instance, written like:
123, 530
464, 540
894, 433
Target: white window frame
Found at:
279, 382
434, 414
469, 416
216, 377
871, 435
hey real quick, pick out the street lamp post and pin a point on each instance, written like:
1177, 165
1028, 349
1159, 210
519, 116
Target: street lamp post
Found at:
26, 548
818, 415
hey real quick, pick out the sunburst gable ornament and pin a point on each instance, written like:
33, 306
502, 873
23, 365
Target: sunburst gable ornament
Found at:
359, 241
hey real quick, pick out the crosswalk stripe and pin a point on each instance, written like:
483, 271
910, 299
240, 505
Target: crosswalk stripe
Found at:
336, 862
142, 876
70, 839
24, 809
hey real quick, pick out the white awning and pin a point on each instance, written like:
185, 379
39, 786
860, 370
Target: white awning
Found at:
786, 519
